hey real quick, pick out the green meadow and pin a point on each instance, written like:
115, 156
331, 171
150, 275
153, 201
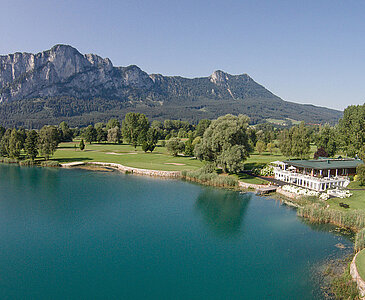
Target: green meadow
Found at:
126, 155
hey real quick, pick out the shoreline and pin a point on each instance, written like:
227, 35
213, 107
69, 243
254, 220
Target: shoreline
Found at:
125, 169
356, 277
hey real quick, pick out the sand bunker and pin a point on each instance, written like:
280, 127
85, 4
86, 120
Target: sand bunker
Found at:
113, 153
175, 164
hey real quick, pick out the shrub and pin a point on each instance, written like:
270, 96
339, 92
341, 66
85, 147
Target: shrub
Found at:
267, 171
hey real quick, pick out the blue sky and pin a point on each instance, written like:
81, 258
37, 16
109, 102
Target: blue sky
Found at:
303, 51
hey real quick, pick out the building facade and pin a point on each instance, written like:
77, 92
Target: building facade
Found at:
319, 174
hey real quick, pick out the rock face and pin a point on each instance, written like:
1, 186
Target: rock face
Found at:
63, 71
62, 82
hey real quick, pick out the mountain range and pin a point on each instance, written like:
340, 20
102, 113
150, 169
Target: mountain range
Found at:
63, 84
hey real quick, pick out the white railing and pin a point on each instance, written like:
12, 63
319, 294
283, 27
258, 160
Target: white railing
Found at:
293, 177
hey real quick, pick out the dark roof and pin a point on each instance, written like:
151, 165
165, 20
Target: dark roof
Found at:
323, 164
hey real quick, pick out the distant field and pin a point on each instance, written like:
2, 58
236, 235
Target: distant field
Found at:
282, 121
125, 155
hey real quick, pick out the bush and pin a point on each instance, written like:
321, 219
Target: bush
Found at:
50, 163
267, 171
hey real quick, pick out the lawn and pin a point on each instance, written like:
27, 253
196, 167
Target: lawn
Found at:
125, 155
356, 201
257, 160
360, 263
249, 178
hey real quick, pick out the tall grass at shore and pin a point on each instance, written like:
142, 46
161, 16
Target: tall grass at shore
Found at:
317, 213
360, 240
50, 163
8, 160
207, 175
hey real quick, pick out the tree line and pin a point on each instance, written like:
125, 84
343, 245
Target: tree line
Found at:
226, 142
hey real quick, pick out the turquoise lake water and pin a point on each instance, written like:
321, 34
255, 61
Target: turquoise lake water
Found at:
77, 234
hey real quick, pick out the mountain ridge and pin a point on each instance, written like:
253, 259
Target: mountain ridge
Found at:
63, 71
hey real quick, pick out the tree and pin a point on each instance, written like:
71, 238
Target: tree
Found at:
326, 138
66, 133
295, 142
4, 144
2, 132
219, 139
189, 147
151, 140
300, 141
202, 126
135, 127
31, 144
90, 134
321, 152
252, 135
15, 144
114, 135
112, 123
22, 135
360, 171
285, 142
82, 145
101, 134
352, 129
48, 141
260, 147
175, 146
270, 147
231, 159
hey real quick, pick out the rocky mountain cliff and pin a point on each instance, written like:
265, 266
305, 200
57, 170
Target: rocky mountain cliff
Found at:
45, 85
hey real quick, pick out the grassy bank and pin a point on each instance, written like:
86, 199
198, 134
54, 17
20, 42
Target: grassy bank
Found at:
360, 264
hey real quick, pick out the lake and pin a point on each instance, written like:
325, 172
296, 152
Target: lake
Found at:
78, 234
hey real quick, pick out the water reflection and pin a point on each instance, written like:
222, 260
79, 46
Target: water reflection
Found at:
223, 211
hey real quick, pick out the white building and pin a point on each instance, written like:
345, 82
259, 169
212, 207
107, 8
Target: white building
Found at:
318, 175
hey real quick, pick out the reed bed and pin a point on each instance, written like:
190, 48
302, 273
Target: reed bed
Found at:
50, 163
8, 160
27, 162
360, 240
316, 213
213, 179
